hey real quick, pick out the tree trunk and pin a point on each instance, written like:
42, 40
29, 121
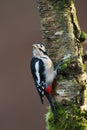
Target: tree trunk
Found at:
62, 37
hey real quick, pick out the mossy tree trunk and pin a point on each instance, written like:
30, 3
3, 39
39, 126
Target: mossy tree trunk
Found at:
62, 37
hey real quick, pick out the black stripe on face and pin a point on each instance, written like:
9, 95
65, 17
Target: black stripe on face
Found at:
44, 52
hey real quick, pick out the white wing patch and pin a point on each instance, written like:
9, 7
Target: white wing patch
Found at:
37, 72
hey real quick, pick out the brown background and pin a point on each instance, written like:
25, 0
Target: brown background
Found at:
20, 107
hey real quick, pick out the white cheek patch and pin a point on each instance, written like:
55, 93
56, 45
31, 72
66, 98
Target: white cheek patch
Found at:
37, 71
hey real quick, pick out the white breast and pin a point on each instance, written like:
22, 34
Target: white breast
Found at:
50, 73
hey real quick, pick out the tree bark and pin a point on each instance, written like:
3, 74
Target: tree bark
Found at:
61, 35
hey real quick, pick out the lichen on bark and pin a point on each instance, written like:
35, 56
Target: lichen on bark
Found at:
61, 35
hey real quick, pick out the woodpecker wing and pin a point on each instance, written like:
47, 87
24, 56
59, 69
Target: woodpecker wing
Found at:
37, 69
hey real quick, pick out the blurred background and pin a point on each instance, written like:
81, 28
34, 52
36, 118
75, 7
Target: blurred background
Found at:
20, 107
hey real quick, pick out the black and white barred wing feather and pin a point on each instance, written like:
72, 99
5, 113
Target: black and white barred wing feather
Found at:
37, 69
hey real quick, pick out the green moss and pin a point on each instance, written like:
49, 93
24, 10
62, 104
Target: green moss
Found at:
64, 70
83, 37
69, 117
63, 65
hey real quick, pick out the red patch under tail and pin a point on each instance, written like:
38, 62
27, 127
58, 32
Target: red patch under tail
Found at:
48, 89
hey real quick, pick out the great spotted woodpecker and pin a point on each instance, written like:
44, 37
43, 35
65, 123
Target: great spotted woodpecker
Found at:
43, 73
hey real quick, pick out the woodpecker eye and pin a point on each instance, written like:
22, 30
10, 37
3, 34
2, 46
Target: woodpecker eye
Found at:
41, 46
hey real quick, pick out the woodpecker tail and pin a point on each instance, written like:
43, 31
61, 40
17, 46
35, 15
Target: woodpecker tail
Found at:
50, 99
41, 98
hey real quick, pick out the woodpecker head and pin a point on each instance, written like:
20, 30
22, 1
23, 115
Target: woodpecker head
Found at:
39, 50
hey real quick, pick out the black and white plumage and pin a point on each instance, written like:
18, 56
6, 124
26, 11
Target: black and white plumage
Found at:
43, 73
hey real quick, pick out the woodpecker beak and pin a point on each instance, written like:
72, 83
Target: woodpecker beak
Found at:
34, 46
